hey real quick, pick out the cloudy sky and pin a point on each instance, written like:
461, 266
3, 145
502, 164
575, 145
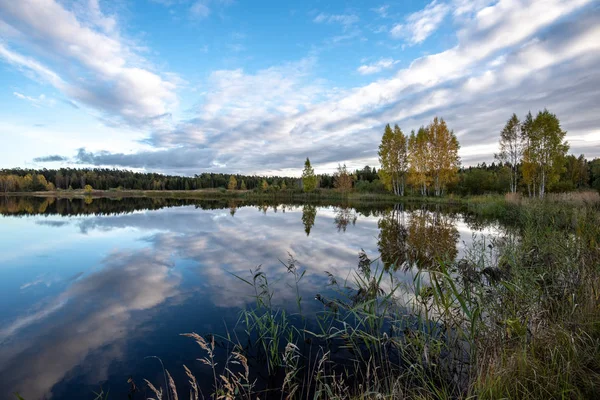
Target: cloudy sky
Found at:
186, 86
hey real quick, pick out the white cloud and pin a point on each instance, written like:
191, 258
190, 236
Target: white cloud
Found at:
35, 101
344, 19
382, 11
384, 63
421, 24
466, 7
200, 9
509, 57
272, 119
98, 67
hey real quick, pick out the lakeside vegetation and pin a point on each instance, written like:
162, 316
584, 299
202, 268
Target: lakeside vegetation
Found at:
532, 160
517, 317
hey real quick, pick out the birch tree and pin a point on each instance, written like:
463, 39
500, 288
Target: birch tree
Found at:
444, 155
544, 153
419, 160
511, 149
393, 158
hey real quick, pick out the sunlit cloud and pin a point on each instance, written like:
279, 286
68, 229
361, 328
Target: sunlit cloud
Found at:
503, 57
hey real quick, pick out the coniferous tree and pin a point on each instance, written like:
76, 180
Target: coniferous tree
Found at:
309, 213
309, 179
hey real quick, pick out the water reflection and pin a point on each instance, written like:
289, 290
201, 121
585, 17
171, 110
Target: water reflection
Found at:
97, 311
392, 241
421, 238
345, 216
125, 283
309, 213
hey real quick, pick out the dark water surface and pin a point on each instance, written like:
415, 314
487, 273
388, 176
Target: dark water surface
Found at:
90, 289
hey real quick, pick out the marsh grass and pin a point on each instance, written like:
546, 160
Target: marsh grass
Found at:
517, 317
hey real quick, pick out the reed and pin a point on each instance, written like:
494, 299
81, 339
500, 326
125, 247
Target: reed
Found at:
517, 317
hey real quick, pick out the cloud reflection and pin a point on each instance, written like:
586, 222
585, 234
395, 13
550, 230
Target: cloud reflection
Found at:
97, 311
86, 327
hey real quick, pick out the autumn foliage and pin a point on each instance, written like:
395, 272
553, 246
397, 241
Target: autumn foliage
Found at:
428, 160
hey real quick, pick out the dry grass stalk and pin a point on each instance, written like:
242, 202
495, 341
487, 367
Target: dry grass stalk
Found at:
172, 386
193, 383
513, 198
157, 392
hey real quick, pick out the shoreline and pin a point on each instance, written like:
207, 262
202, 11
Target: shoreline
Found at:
215, 194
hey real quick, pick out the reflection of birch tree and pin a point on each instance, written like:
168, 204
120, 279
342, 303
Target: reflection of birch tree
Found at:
432, 238
392, 240
428, 239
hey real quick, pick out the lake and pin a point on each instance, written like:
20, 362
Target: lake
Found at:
92, 290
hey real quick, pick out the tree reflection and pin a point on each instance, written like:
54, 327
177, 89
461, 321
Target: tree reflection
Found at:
309, 213
426, 240
30, 205
432, 238
343, 217
392, 241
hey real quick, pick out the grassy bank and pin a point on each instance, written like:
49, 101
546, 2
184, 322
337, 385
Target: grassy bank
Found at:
517, 317
216, 194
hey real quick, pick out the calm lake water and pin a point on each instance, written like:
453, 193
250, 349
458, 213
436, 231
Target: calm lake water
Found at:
89, 291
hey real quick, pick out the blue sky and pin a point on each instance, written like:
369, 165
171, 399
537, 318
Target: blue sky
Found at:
186, 86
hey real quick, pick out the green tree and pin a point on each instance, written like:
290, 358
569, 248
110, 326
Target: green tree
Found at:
546, 150
529, 164
309, 213
88, 189
264, 185
243, 185
595, 174
309, 179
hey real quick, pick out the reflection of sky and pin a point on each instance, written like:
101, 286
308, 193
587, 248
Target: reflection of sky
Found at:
85, 299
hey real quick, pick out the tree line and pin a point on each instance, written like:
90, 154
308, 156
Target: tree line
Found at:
30, 180
532, 159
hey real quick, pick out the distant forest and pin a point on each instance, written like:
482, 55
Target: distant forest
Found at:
533, 159
579, 173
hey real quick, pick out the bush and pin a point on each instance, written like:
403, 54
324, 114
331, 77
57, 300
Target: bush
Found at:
369, 187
